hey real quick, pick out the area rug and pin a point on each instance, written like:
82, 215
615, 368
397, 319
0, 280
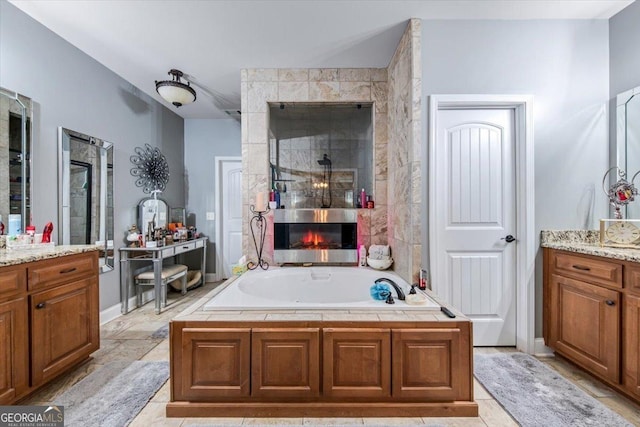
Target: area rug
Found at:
114, 394
536, 395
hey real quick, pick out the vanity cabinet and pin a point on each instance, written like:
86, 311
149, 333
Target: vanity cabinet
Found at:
48, 322
319, 368
592, 315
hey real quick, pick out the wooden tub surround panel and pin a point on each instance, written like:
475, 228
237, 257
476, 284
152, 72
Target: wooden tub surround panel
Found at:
321, 368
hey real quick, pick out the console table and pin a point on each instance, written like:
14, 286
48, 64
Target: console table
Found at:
156, 256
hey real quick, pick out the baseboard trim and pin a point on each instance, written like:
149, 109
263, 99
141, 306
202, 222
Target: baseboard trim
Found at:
541, 350
211, 277
115, 311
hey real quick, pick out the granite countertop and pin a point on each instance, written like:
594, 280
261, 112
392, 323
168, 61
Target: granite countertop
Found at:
9, 257
585, 242
196, 313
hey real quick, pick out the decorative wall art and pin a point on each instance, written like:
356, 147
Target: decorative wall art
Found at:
151, 169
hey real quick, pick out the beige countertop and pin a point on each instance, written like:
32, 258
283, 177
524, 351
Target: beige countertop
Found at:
10, 257
196, 313
585, 242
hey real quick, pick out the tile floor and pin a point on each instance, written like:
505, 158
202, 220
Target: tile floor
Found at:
131, 337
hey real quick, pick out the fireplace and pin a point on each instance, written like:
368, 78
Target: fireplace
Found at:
327, 236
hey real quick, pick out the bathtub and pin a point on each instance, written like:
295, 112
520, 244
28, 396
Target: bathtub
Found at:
306, 288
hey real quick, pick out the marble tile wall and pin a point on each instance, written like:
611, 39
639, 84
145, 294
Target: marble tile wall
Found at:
260, 87
404, 152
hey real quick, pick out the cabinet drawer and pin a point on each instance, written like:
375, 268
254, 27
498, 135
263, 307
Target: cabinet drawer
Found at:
185, 247
592, 270
632, 277
62, 270
13, 280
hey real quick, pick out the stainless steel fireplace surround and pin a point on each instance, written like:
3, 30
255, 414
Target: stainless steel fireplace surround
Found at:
319, 236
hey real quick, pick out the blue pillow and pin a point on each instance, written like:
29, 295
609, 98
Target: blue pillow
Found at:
379, 291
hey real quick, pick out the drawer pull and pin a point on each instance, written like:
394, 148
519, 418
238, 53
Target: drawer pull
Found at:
68, 270
185, 247
581, 267
39, 306
610, 302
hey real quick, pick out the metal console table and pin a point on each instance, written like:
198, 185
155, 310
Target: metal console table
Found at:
156, 255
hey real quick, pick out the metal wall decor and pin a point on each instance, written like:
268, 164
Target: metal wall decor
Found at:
151, 169
621, 193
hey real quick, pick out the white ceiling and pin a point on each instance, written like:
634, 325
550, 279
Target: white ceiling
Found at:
212, 40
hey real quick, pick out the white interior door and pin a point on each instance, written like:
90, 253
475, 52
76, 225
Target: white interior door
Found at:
231, 213
475, 265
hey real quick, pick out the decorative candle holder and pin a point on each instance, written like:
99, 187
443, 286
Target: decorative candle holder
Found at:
258, 224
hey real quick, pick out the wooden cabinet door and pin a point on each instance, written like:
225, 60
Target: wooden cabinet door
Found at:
585, 325
14, 350
211, 362
64, 327
430, 364
356, 362
285, 362
631, 335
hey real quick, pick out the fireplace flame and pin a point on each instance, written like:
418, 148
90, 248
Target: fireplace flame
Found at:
312, 238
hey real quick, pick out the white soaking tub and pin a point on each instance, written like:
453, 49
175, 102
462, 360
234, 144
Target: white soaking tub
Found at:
307, 288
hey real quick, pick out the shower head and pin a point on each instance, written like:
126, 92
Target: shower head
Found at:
325, 161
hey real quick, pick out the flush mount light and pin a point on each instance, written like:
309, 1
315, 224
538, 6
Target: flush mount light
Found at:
174, 91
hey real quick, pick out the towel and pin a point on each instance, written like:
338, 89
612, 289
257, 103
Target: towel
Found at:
379, 291
379, 251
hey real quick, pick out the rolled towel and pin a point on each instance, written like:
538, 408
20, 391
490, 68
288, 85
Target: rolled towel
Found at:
379, 291
379, 251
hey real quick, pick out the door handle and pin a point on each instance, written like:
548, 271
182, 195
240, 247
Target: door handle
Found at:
610, 302
509, 238
41, 305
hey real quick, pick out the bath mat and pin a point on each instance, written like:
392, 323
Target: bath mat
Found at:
161, 333
114, 394
536, 395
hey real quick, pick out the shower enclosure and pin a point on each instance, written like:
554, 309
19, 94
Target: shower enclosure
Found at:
321, 155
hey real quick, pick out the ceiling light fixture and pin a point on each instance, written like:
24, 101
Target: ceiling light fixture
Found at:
174, 91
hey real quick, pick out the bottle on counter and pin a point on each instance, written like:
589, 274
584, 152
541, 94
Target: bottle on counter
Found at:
362, 257
363, 198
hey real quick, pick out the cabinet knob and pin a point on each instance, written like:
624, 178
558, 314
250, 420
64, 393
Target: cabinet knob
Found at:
39, 306
610, 302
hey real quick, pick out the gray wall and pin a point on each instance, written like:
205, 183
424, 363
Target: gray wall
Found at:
564, 64
624, 64
624, 50
73, 90
203, 141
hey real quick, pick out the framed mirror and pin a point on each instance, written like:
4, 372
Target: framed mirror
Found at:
85, 191
152, 211
628, 140
16, 118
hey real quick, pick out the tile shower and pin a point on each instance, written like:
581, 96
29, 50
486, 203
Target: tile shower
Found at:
394, 94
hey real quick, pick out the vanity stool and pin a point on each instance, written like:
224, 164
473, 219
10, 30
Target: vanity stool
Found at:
169, 274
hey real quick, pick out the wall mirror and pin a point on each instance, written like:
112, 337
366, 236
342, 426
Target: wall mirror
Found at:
85, 191
16, 118
628, 140
321, 155
152, 211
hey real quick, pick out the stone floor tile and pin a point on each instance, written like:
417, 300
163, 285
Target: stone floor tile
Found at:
154, 415
393, 421
479, 392
159, 352
235, 421
332, 421
455, 421
494, 415
271, 421
164, 394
